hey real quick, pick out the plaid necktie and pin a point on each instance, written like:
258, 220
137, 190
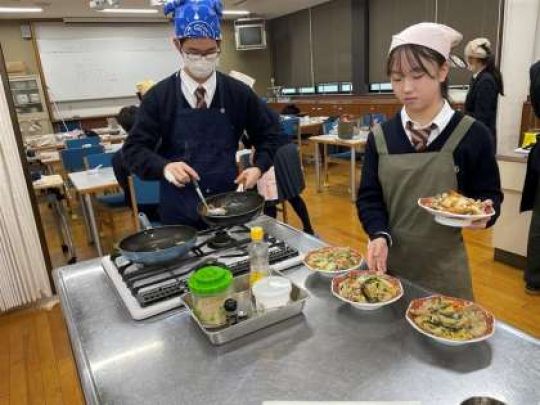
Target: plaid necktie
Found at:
199, 94
420, 136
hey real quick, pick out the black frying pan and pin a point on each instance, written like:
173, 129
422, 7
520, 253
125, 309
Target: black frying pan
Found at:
158, 245
240, 207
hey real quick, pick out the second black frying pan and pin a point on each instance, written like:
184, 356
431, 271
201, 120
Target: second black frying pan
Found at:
240, 207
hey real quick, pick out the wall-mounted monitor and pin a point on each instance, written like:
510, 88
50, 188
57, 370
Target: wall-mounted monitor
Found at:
250, 33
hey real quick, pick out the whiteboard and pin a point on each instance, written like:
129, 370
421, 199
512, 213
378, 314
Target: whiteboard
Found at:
95, 62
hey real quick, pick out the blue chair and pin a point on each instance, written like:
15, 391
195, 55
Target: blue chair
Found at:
73, 159
144, 194
82, 142
329, 125
109, 200
370, 120
103, 159
110, 204
291, 127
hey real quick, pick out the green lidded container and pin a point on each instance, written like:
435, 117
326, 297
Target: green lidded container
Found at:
210, 280
210, 286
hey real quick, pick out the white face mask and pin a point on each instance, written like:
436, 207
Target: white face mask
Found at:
200, 67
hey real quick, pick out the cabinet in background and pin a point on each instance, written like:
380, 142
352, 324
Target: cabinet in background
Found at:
30, 105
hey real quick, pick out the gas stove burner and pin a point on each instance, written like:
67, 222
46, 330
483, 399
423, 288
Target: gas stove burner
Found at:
221, 240
151, 289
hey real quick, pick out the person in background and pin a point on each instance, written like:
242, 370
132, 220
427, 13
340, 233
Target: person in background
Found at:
284, 182
290, 184
90, 133
530, 199
189, 124
425, 149
126, 118
485, 86
290, 109
143, 87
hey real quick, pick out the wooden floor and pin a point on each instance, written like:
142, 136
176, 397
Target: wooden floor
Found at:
36, 363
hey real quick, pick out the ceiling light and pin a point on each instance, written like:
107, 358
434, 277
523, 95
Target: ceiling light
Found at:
21, 9
130, 10
236, 12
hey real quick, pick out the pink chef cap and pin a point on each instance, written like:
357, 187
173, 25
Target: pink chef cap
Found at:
438, 37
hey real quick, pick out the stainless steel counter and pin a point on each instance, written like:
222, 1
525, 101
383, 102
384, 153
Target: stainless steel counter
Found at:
333, 352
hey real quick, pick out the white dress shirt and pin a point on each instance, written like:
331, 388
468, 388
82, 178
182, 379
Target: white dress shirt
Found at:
189, 86
441, 120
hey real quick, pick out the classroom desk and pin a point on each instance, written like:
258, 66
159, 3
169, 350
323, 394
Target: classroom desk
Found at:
326, 140
89, 182
311, 126
51, 158
51, 143
54, 186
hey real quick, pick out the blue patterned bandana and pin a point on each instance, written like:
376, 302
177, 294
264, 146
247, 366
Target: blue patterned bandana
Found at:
196, 18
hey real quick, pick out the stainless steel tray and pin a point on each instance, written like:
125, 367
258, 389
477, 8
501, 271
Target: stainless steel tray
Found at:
257, 320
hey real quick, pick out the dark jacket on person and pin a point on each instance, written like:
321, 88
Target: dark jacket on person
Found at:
481, 101
290, 109
121, 172
532, 178
535, 87
157, 114
126, 118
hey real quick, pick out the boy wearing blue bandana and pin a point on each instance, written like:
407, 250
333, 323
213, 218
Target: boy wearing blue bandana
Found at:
190, 123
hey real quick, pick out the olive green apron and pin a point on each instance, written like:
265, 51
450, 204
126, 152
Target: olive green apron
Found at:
423, 251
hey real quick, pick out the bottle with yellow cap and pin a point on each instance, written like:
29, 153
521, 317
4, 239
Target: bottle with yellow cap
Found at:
258, 256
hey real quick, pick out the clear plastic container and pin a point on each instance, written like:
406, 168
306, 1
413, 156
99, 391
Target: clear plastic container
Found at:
258, 256
210, 286
272, 292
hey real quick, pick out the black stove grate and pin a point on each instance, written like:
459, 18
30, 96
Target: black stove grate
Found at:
152, 284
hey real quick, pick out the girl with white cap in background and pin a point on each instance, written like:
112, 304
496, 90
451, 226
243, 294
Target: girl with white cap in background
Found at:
486, 84
427, 148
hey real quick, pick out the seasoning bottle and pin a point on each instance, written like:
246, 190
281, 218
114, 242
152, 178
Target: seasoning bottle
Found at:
231, 311
258, 256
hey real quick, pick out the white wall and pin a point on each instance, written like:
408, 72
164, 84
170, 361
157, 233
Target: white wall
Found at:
521, 42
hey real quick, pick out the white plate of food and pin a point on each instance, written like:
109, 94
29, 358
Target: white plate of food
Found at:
450, 321
456, 210
367, 290
333, 260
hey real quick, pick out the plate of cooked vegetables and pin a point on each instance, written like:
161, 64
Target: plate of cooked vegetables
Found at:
367, 290
451, 321
456, 210
333, 260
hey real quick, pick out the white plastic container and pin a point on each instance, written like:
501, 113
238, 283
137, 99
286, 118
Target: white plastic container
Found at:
271, 292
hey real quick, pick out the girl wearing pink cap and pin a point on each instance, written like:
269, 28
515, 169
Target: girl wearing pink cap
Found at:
426, 149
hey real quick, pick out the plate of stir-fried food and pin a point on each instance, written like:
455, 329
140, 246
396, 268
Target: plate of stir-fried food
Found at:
333, 260
451, 321
367, 290
453, 209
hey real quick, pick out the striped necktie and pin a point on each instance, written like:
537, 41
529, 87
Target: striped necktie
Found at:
419, 136
199, 95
